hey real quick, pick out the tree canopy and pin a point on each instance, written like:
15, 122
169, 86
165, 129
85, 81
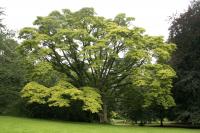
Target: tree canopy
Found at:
12, 72
93, 52
185, 32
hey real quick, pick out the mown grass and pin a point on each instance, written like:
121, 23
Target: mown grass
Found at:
25, 125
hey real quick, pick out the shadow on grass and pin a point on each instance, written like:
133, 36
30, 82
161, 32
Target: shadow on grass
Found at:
177, 126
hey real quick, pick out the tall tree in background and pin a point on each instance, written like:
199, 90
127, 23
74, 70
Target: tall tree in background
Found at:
150, 96
12, 72
185, 32
91, 51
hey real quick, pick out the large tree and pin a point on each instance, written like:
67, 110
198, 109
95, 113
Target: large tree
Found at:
185, 32
150, 95
12, 72
92, 51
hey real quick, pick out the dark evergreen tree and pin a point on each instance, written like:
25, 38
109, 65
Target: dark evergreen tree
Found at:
185, 33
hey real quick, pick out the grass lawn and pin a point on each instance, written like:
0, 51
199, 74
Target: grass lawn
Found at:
26, 125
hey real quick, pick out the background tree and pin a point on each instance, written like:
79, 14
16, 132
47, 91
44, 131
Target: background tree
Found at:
132, 105
150, 96
185, 32
91, 50
12, 72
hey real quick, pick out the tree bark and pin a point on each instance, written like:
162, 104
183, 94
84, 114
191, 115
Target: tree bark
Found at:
103, 115
161, 117
161, 122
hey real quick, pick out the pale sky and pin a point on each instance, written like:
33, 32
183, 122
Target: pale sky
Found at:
153, 15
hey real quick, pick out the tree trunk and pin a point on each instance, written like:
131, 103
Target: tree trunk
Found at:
141, 123
103, 115
136, 122
161, 122
161, 117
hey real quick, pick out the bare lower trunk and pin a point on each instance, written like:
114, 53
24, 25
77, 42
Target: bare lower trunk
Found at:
161, 117
103, 115
161, 122
136, 121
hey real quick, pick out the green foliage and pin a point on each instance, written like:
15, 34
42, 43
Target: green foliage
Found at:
184, 31
12, 71
149, 96
157, 80
35, 92
132, 105
92, 50
61, 95
44, 73
91, 99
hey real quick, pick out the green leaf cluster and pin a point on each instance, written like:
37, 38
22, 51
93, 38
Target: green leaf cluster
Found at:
61, 95
156, 79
